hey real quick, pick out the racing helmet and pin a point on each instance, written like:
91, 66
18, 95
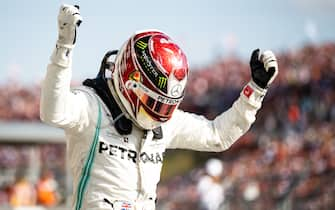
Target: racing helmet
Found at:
149, 77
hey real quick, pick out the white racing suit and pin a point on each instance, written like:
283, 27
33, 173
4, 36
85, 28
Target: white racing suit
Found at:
123, 171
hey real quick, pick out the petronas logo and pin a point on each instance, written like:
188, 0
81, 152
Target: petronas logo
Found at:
162, 82
142, 45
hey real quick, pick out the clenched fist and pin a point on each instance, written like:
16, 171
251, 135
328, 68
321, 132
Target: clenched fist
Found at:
264, 68
68, 20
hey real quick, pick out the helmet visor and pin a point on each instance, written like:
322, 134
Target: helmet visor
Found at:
159, 105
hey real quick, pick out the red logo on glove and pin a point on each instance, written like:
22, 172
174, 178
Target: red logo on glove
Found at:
248, 91
126, 206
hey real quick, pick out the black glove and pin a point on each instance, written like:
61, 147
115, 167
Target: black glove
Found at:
264, 68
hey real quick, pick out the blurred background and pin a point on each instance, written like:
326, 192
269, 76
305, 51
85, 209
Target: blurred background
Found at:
286, 160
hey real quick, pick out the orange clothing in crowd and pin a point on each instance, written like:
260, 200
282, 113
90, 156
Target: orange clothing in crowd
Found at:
47, 192
23, 194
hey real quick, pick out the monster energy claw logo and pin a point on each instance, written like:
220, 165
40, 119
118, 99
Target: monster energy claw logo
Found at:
162, 82
142, 45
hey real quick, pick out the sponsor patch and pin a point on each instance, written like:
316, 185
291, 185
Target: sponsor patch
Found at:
123, 153
136, 76
126, 206
248, 91
122, 205
162, 81
142, 45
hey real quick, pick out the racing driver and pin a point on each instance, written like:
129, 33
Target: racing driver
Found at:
119, 124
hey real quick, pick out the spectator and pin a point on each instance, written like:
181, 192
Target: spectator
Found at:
210, 187
47, 190
23, 193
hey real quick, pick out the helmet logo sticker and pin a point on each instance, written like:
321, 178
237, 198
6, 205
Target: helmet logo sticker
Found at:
136, 76
162, 81
176, 90
142, 45
147, 64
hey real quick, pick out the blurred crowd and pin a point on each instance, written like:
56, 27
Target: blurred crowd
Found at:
32, 175
24, 193
286, 161
20, 103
